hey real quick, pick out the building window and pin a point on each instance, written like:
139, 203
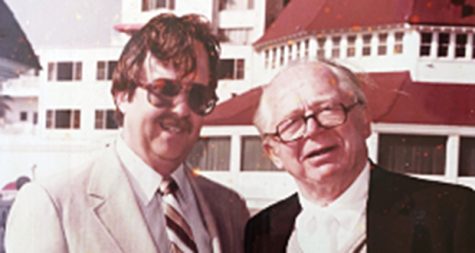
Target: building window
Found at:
64, 71
382, 43
63, 119
426, 42
289, 53
282, 56
273, 57
231, 69
473, 46
23, 116
321, 47
236, 5
306, 45
398, 43
366, 44
211, 154
105, 119
148, 5
266, 58
460, 45
467, 157
412, 154
105, 70
443, 47
297, 56
336, 46
239, 36
35, 118
351, 46
253, 156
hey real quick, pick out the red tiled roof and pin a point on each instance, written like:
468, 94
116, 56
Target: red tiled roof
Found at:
312, 16
236, 111
392, 98
425, 103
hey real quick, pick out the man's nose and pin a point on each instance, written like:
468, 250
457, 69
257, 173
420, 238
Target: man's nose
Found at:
180, 105
312, 127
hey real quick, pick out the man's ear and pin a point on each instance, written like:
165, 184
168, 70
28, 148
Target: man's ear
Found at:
366, 122
273, 153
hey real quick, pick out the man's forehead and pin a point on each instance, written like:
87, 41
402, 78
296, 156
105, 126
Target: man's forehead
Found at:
299, 80
300, 87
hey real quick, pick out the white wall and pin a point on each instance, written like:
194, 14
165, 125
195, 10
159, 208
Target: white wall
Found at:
132, 13
87, 94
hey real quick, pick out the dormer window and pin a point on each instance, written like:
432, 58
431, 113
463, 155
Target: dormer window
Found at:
443, 47
289, 52
336, 46
321, 47
460, 45
351, 42
426, 40
398, 42
367, 45
382, 43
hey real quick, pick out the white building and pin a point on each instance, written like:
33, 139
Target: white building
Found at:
417, 55
61, 115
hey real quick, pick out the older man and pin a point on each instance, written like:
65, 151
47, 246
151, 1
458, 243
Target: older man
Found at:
138, 195
314, 124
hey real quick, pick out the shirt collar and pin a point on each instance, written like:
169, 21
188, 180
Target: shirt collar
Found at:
349, 206
144, 179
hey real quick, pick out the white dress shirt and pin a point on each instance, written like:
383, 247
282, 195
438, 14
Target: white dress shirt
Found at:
349, 211
145, 182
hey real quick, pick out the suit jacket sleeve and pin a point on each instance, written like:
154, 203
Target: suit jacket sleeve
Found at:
33, 224
464, 237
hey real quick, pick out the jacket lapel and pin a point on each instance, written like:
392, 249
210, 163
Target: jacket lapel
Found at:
114, 204
281, 223
206, 213
389, 212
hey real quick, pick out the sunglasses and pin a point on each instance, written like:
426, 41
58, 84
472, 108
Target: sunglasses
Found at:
200, 98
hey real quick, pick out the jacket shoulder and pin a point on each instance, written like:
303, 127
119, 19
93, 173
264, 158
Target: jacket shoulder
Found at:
285, 209
394, 184
70, 185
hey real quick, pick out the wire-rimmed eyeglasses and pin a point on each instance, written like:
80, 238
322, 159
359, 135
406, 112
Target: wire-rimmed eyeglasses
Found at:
327, 117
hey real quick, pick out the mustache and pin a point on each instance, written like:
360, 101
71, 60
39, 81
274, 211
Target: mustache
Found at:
175, 123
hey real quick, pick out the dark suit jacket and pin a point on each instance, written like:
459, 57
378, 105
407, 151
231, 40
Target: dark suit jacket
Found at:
404, 214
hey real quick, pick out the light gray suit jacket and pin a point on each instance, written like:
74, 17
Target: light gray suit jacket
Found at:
93, 210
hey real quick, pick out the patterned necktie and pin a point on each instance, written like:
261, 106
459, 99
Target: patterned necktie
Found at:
178, 230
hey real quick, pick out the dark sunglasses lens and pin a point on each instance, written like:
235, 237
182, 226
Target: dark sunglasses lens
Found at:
169, 88
201, 99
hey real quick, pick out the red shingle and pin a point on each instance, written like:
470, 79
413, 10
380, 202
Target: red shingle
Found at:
313, 16
392, 98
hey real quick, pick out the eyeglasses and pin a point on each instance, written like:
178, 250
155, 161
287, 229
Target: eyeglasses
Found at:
326, 117
200, 98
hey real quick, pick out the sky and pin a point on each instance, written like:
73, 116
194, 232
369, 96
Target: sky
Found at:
67, 24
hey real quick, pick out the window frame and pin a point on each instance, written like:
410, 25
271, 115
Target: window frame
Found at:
56, 71
150, 5
53, 121
235, 69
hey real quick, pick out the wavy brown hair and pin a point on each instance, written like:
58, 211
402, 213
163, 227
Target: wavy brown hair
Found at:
170, 40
